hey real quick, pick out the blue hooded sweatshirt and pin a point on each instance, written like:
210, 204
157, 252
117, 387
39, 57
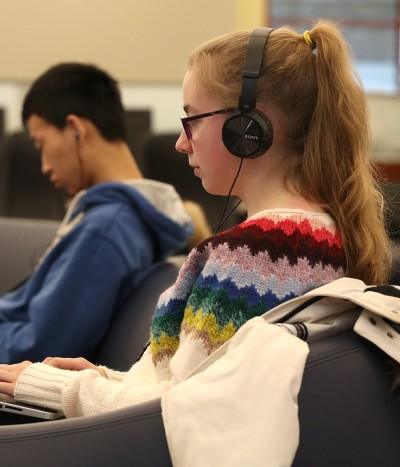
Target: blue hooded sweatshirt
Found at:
111, 237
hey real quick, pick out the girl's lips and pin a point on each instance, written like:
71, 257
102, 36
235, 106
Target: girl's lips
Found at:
195, 169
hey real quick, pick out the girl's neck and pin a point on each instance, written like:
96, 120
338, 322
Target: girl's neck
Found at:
262, 186
282, 201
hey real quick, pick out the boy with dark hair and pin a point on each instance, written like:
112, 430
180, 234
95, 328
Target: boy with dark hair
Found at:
117, 226
79, 89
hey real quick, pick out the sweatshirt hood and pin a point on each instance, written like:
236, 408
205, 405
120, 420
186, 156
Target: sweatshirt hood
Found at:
157, 204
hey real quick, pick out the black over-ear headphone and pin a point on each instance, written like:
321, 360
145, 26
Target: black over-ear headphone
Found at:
248, 133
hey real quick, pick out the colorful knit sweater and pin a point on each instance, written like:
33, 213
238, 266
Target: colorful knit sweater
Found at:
228, 279
241, 273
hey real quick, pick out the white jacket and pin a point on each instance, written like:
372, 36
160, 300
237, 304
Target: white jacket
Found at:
239, 407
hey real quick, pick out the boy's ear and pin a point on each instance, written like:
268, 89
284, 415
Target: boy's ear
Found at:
75, 123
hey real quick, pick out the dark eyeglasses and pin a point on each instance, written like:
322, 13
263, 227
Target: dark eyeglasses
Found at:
186, 121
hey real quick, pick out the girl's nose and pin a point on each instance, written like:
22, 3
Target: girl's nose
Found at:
183, 144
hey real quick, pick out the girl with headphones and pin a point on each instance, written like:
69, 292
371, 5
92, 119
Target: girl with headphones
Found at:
279, 120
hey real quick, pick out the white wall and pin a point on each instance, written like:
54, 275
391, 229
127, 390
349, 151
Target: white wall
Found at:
164, 101
11, 96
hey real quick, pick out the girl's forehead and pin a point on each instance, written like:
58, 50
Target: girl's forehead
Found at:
196, 99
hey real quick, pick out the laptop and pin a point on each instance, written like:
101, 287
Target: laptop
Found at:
9, 405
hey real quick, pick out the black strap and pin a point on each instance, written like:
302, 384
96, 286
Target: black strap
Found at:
384, 290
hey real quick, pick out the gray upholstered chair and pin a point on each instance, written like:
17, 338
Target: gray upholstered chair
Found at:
160, 161
24, 190
22, 241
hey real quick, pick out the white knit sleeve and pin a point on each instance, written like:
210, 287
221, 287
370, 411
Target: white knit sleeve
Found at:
86, 392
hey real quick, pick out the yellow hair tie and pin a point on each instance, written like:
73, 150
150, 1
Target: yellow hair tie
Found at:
308, 40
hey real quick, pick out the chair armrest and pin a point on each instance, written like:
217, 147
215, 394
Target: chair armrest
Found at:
133, 436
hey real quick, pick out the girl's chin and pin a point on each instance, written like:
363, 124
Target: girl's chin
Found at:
213, 190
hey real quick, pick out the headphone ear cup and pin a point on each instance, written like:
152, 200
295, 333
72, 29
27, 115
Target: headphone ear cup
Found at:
248, 134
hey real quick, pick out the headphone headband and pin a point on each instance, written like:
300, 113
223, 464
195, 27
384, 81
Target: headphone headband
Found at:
248, 133
252, 67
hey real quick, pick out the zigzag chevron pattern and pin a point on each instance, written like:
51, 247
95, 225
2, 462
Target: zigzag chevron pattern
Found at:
244, 272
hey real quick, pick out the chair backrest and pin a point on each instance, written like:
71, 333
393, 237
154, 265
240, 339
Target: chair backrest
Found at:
161, 161
22, 241
129, 331
24, 190
349, 415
